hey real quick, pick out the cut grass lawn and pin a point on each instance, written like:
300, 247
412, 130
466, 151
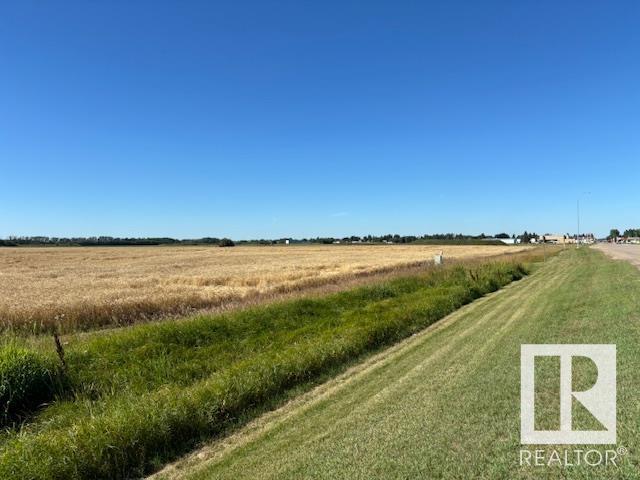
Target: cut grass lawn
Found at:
446, 402
143, 394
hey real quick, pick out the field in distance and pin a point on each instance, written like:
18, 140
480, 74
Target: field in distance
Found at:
96, 286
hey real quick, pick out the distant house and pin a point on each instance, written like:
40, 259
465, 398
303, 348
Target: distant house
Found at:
553, 239
634, 240
587, 238
556, 239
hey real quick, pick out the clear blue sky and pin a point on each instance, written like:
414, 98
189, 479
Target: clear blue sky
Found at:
269, 119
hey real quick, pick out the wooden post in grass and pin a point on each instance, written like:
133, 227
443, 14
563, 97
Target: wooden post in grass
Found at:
56, 339
60, 351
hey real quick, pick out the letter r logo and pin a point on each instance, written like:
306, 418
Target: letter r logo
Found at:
600, 399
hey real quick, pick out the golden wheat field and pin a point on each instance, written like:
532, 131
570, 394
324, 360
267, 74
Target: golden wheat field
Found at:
79, 288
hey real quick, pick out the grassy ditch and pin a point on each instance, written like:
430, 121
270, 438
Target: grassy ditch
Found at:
141, 395
446, 404
27, 381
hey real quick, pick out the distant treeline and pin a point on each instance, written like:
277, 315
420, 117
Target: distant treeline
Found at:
105, 241
440, 238
395, 238
629, 232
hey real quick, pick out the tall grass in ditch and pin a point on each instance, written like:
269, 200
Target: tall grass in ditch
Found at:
148, 393
28, 380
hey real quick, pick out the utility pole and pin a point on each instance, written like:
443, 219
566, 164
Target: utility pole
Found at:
578, 236
578, 212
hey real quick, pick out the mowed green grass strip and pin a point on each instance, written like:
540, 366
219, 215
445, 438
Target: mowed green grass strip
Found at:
445, 403
139, 396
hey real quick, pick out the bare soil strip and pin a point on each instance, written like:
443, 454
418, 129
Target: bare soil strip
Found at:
627, 252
